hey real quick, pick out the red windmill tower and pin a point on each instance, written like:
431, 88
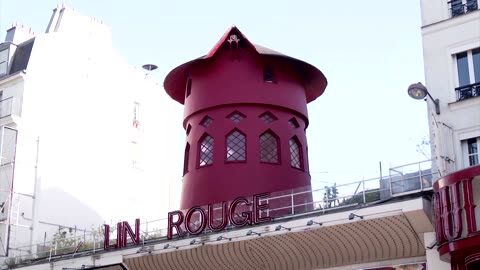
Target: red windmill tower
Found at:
245, 118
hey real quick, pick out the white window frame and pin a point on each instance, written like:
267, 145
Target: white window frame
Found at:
4, 61
471, 71
466, 155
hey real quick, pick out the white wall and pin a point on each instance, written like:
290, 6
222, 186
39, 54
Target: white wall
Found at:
78, 99
434, 11
433, 258
441, 41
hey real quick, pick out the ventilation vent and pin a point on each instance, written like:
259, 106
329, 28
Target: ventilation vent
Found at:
268, 75
268, 117
206, 121
236, 116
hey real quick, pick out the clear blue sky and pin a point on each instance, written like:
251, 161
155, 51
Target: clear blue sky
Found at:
370, 51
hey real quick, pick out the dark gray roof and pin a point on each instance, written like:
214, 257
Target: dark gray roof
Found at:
22, 56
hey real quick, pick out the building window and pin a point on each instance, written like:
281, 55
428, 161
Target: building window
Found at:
269, 151
459, 7
188, 89
205, 148
186, 158
206, 121
236, 116
268, 75
462, 68
293, 123
472, 151
268, 117
471, 5
295, 153
189, 128
136, 114
3, 62
468, 74
236, 146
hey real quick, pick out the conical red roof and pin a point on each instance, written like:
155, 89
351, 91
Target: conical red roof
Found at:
313, 79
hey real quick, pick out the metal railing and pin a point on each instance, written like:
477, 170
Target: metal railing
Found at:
412, 177
458, 8
468, 91
402, 180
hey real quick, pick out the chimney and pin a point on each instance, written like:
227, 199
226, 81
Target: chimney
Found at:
18, 34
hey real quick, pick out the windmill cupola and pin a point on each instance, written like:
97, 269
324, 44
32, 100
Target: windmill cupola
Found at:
245, 119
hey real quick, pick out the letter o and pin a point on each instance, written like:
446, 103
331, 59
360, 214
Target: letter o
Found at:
188, 216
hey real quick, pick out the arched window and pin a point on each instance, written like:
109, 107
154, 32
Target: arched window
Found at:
186, 158
269, 151
296, 153
205, 150
236, 143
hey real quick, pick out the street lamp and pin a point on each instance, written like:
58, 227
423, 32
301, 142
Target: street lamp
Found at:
419, 91
149, 67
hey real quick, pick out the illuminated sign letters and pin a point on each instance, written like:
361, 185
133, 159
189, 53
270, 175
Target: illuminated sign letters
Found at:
123, 230
197, 219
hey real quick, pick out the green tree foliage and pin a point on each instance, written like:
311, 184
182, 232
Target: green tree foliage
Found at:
67, 241
330, 196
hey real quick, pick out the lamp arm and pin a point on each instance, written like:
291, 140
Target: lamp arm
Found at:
436, 101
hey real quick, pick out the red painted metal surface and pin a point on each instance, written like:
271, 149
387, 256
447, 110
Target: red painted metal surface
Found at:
458, 238
312, 79
229, 79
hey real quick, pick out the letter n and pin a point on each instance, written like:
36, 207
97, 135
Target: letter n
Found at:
127, 230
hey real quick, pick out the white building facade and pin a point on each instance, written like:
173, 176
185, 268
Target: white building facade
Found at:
396, 231
451, 47
77, 124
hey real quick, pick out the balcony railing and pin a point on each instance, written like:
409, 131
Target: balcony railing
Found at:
8, 107
402, 180
457, 8
468, 91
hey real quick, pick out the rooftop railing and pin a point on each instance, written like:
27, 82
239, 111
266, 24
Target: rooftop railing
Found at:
402, 180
